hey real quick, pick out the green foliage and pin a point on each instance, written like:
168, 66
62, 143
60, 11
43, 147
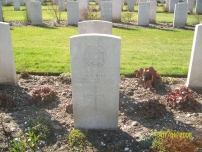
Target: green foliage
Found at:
158, 145
76, 138
32, 140
18, 146
65, 78
167, 50
146, 142
43, 95
21, 144
168, 80
41, 127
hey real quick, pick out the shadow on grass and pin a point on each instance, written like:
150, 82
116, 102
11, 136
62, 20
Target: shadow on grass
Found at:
15, 121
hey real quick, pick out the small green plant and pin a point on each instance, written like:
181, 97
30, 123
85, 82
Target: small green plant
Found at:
24, 74
168, 80
19, 146
65, 78
6, 101
158, 145
32, 139
23, 143
76, 138
41, 127
146, 141
43, 95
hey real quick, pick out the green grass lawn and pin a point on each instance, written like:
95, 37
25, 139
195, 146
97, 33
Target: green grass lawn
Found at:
41, 49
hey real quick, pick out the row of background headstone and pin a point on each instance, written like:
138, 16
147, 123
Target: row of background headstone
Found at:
110, 11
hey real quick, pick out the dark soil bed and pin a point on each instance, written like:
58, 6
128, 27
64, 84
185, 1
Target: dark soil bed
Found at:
133, 121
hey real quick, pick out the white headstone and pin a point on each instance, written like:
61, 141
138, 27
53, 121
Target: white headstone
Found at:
194, 79
9, 2
36, 13
21, 2
106, 11
131, 4
95, 26
142, 1
180, 15
167, 5
3, 2
116, 10
152, 15
1, 13
125, 2
83, 9
55, 2
199, 6
42, 1
143, 13
7, 63
16, 5
172, 5
95, 69
61, 5
98, 2
190, 5
28, 9
73, 13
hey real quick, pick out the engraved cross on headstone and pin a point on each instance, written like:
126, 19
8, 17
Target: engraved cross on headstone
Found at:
95, 96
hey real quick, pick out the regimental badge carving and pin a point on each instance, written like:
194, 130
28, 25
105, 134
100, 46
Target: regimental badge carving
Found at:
95, 56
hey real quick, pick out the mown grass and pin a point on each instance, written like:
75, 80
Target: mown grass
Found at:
41, 49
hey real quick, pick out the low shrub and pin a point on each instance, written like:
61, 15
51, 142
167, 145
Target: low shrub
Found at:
43, 95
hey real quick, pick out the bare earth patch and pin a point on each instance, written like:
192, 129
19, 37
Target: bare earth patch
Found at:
133, 123
163, 26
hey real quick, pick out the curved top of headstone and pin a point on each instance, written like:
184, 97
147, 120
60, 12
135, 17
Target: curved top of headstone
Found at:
95, 26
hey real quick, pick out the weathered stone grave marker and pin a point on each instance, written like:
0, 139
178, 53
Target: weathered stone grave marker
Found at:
194, 79
190, 5
106, 11
21, 3
180, 15
95, 68
73, 13
152, 14
61, 5
143, 13
199, 6
131, 4
95, 26
172, 5
35, 13
7, 64
116, 10
3, 2
1, 13
16, 4
83, 9
9, 2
